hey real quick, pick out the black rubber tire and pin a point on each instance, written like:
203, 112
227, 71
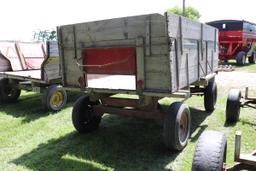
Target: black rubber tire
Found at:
233, 106
251, 58
210, 153
8, 94
172, 125
82, 116
241, 58
48, 94
210, 96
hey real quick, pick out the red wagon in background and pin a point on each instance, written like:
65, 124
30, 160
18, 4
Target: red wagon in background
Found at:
236, 40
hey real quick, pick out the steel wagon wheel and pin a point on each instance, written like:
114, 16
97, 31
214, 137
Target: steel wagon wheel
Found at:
83, 117
241, 58
176, 129
8, 93
54, 98
252, 58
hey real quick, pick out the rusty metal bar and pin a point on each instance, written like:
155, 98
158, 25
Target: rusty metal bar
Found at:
101, 109
246, 92
21, 58
181, 35
140, 62
248, 159
187, 69
237, 145
61, 51
177, 64
119, 102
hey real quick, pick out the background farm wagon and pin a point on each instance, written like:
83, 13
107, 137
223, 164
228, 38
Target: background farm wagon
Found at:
32, 66
236, 40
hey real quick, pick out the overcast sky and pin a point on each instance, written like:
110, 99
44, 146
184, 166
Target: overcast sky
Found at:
19, 18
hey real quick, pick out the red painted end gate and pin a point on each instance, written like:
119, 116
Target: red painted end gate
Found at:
119, 61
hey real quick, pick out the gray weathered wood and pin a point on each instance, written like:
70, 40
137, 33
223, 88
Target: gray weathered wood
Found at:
195, 41
5, 64
51, 65
174, 51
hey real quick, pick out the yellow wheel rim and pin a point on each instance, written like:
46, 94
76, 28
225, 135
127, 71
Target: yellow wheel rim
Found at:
57, 99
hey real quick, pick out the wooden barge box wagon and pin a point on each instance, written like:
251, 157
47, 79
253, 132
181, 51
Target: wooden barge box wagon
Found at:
151, 56
31, 66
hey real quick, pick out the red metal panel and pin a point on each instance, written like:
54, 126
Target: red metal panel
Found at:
110, 61
230, 36
231, 42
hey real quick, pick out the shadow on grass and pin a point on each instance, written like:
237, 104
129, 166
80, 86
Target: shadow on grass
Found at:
119, 143
29, 106
248, 123
230, 124
197, 117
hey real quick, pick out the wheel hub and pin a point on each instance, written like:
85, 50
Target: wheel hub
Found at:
183, 129
57, 99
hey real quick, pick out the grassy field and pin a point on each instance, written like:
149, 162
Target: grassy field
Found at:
31, 139
246, 67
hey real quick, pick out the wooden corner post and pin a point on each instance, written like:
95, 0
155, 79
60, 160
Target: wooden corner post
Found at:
140, 77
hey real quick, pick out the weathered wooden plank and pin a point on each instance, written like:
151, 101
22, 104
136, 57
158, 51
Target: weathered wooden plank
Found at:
5, 65
53, 50
72, 71
123, 28
158, 81
88, 34
208, 33
190, 29
140, 62
33, 74
160, 49
156, 41
153, 63
173, 25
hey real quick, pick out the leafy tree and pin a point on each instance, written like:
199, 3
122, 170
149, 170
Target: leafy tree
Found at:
191, 12
44, 35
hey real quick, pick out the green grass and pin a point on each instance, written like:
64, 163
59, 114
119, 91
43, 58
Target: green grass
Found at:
246, 67
31, 139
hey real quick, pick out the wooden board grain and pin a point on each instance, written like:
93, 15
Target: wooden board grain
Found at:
174, 51
193, 51
51, 65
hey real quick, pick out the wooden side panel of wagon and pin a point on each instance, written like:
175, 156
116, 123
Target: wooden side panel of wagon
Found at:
193, 50
172, 52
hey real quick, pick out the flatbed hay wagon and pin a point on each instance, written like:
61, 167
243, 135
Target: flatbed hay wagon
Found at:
31, 66
152, 56
236, 40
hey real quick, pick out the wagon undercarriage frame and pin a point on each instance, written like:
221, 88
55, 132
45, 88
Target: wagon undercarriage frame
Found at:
244, 161
247, 101
145, 105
